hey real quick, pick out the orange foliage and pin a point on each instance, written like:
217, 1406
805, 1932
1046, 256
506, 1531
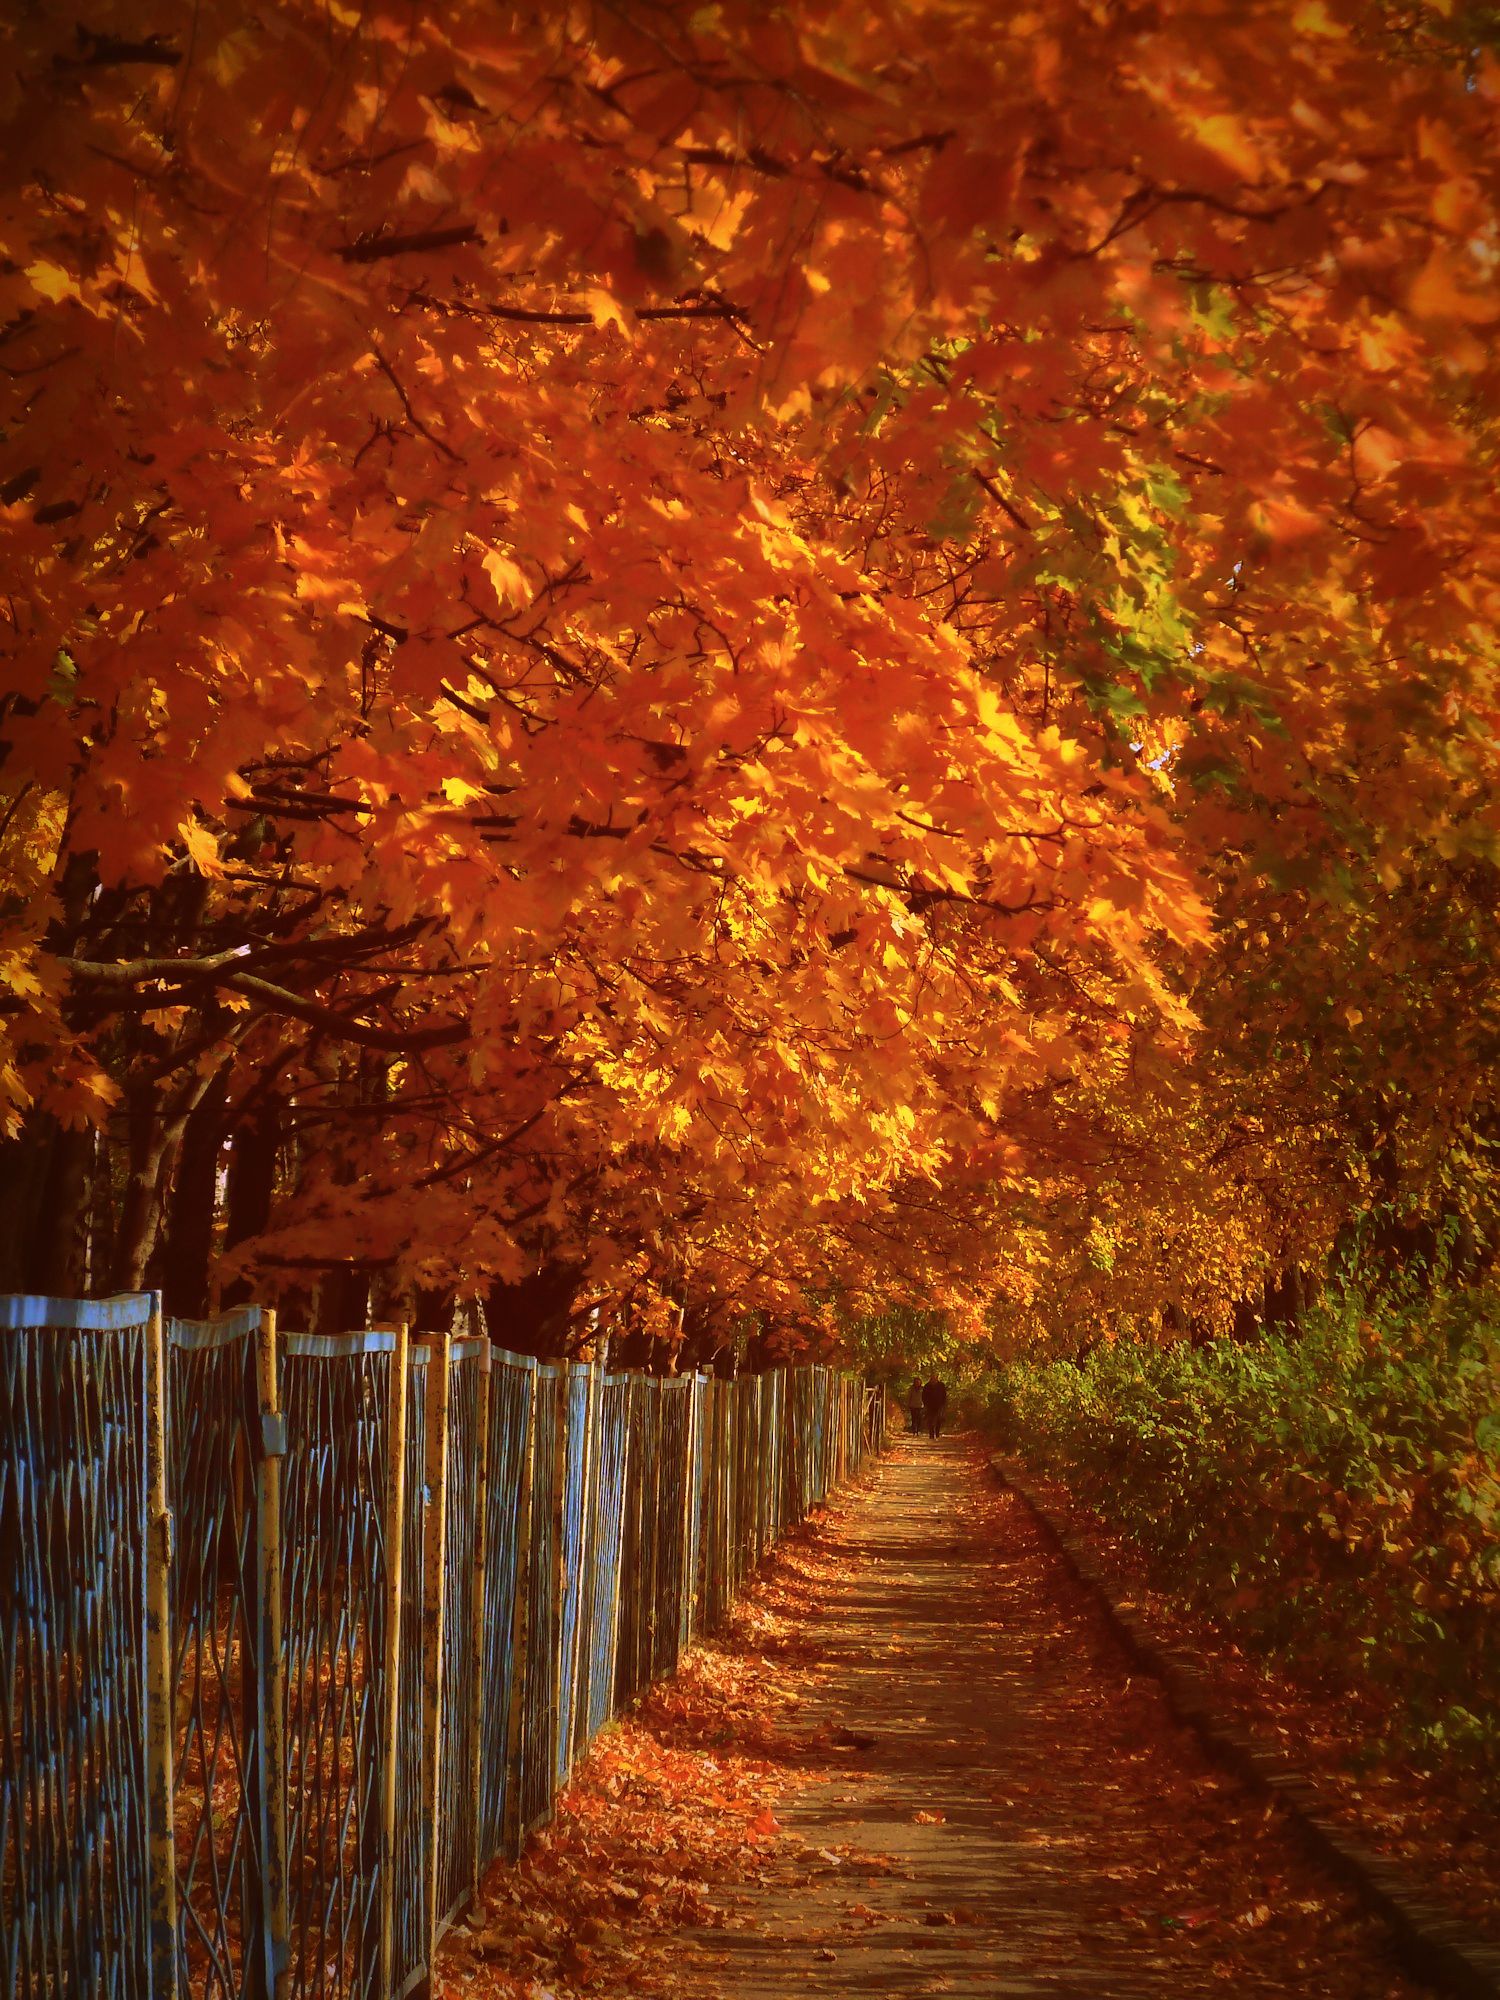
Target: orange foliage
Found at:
583, 587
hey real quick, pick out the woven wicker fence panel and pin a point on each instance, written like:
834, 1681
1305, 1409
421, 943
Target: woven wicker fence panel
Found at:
458, 1832
73, 1523
671, 1527
213, 1444
799, 1382
747, 1483
776, 1478
336, 1394
713, 1587
692, 1552
649, 1549
822, 1469
630, 1610
609, 1508
511, 1393
539, 1693
573, 1563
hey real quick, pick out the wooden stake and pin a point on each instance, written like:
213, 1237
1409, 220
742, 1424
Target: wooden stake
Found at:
512, 1831
587, 1554
390, 1721
271, 1693
689, 1482
558, 1416
160, 1846
434, 1561
481, 1549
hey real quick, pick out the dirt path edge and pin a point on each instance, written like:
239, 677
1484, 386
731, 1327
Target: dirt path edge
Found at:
1441, 1951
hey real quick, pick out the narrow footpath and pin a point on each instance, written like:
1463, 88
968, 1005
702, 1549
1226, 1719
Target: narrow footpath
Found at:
982, 1800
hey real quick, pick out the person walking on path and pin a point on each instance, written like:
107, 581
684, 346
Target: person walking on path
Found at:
934, 1402
914, 1407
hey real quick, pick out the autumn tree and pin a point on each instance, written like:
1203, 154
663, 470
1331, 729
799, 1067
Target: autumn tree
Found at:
636, 635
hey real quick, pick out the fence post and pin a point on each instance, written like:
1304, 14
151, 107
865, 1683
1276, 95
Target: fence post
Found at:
731, 1449
481, 1503
160, 1846
434, 1559
271, 1695
588, 1542
390, 1721
520, 1639
558, 1415
690, 1448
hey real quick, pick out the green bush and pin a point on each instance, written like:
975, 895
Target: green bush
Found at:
1331, 1493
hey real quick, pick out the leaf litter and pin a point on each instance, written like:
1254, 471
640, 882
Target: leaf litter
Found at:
672, 1802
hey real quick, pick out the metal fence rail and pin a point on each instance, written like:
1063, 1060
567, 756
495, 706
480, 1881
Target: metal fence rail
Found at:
298, 1633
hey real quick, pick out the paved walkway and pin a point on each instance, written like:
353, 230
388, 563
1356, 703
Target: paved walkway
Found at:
996, 1807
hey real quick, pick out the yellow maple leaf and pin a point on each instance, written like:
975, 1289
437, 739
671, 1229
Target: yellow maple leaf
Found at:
459, 792
202, 847
507, 579
52, 281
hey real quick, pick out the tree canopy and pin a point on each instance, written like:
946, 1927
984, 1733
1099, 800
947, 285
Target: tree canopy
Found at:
688, 658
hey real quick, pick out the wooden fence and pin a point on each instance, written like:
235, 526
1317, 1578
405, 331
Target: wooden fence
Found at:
298, 1632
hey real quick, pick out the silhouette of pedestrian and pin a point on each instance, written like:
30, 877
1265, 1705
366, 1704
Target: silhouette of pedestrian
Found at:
934, 1402
914, 1408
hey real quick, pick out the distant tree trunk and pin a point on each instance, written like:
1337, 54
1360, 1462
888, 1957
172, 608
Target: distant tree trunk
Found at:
759, 1352
533, 1314
343, 1299
147, 1138
1246, 1323
186, 1251
640, 1350
254, 1150
155, 1123
432, 1308
1286, 1298
44, 1181
704, 1342
25, 1162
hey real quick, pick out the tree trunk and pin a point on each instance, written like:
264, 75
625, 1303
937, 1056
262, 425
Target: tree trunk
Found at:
187, 1247
148, 1135
343, 1299
43, 1209
1246, 1324
44, 1180
640, 1350
251, 1184
432, 1308
532, 1315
